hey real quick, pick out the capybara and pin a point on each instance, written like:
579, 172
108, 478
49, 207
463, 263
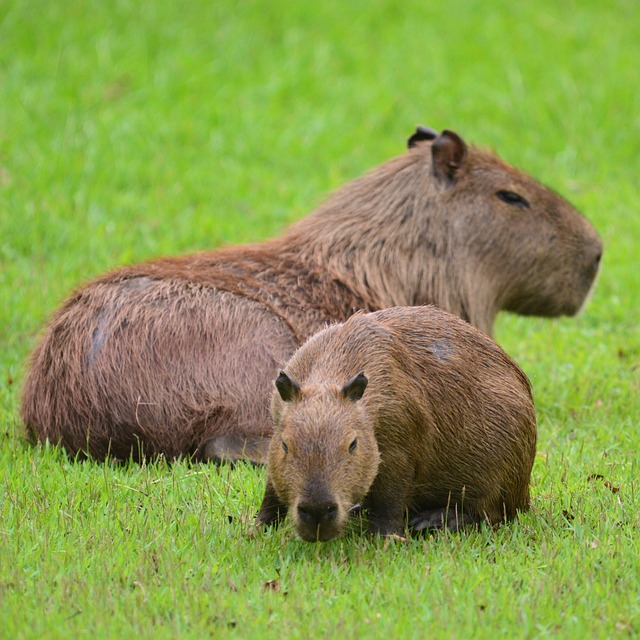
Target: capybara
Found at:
178, 355
410, 412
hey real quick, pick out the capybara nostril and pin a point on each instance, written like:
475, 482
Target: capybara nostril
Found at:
331, 511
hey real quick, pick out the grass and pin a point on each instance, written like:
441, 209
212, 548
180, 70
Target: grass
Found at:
129, 130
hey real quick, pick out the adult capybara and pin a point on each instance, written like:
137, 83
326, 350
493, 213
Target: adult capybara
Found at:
177, 356
407, 411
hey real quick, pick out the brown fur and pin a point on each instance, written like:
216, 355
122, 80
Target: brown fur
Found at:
177, 356
445, 430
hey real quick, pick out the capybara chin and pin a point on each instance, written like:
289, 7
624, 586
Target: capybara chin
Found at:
177, 356
410, 412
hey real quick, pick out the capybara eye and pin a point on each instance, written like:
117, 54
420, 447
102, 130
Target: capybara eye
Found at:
353, 445
284, 447
513, 198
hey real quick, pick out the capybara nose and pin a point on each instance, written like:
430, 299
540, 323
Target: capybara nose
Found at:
315, 514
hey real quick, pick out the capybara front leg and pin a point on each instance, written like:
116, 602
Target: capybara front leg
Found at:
272, 509
386, 517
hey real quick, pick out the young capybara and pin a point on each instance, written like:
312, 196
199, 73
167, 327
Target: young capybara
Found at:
409, 412
177, 356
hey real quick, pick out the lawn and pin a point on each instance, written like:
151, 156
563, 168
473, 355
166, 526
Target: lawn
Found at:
130, 130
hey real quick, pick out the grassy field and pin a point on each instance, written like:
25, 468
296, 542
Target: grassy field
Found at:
131, 129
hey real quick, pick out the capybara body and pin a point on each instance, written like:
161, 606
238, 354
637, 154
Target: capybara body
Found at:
408, 411
177, 356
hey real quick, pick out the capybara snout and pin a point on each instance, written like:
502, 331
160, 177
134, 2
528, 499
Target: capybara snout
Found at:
318, 521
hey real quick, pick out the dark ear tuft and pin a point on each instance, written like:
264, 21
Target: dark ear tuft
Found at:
421, 133
354, 387
448, 151
287, 387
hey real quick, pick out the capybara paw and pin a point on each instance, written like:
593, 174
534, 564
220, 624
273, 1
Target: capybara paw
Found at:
439, 519
385, 527
269, 517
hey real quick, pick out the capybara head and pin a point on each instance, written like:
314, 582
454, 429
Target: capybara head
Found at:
323, 456
456, 226
543, 252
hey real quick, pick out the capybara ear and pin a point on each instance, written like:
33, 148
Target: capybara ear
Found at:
449, 151
354, 387
421, 133
287, 387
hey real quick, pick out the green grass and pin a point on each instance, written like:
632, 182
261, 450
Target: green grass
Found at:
129, 130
